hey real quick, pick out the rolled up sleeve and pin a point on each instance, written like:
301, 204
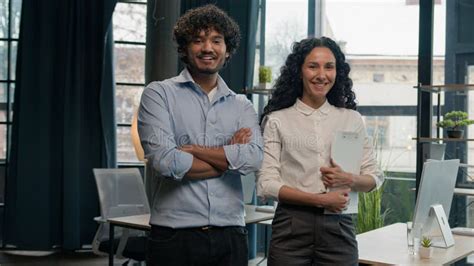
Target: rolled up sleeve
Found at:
157, 137
369, 164
246, 158
269, 180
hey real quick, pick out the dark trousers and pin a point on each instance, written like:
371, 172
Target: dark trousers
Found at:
306, 236
198, 246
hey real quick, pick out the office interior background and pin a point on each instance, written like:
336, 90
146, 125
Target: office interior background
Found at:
72, 74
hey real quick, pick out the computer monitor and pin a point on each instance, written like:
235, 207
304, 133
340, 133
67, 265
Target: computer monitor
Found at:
436, 187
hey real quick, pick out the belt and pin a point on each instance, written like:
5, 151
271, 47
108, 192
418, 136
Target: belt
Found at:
210, 227
317, 210
199, 228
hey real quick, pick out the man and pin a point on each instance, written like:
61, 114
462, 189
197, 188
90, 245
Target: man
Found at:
199, 137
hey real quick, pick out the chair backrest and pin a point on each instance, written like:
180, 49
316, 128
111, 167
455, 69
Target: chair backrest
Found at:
121, 193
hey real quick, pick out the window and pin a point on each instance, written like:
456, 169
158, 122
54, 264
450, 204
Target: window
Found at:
286, 22
10, 11
281, 22
383, 69
382, 50
129, 22
378, 77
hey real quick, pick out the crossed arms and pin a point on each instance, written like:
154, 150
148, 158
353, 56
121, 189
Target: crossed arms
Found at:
212, 161
243, 152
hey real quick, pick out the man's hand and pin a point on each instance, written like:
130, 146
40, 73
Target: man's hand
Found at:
215, 156
242, 136
336, 201
334, 176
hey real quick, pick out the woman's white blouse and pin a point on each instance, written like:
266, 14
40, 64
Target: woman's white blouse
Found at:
297, 142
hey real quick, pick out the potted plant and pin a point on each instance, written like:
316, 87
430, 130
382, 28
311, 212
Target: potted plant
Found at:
264, 77
425, 249
453, 121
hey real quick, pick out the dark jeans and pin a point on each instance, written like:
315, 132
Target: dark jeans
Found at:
198, 246
306, 236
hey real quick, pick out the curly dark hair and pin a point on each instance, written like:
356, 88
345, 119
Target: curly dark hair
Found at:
289, 85
207, 17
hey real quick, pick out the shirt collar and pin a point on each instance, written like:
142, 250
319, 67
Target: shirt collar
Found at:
184, 77
222, 88
308, 110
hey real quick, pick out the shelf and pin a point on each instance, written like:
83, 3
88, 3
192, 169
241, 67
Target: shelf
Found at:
459, 191
464, 191
446, 88
441, 139
259, 91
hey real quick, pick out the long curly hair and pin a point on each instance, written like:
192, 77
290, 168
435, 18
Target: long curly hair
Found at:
289, 85
207, 17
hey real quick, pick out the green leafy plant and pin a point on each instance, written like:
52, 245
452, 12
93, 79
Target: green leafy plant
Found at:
454, 120
426, 242
369, 215
264, 74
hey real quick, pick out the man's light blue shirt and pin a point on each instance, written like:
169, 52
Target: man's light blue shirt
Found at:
176, 112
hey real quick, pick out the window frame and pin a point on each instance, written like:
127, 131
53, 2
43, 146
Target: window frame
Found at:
10, 83
122, 124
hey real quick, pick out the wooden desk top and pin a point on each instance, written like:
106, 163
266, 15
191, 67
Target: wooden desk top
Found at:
142, 221
253, 216
388, 246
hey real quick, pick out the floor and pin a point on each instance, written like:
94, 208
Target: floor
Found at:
54, 259
82, 258
87, 258
70, 259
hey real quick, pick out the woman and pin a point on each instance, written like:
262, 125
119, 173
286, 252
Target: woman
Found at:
313, 100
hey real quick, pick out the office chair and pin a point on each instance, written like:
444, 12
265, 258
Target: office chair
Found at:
121, 193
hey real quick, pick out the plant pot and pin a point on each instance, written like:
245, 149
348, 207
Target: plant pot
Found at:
265, 86
425, 253
455, 134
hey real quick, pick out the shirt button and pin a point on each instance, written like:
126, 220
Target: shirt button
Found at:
212, 194
212, 118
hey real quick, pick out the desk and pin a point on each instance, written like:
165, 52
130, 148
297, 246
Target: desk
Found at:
464, 191
141, 222
388, 246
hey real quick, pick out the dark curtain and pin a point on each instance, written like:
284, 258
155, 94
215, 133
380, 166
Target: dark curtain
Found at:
238, 74
63, 124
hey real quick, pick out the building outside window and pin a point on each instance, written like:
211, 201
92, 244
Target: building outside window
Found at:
129, 29
10, 11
